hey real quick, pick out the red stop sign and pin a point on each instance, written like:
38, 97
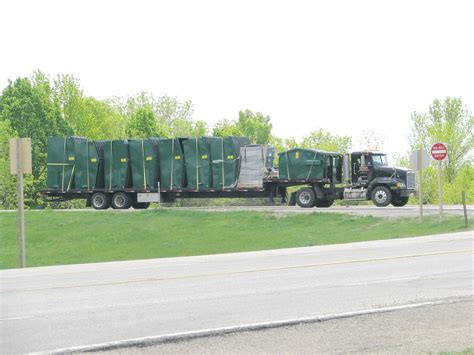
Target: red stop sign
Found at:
439, 151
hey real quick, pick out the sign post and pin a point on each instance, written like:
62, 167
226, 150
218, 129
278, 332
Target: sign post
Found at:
439, 152
20, 163
419, 161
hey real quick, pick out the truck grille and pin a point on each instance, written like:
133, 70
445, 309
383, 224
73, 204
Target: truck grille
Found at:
411, 180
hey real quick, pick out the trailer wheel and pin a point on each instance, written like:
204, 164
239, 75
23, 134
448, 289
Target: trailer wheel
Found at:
323, 202
121, 201
400, 201
305, 197
141, 205
100, 201
381, 196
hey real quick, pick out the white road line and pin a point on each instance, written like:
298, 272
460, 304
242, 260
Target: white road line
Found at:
15, 318
173, 337
383, 281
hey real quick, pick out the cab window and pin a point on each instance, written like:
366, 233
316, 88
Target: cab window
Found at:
379, 160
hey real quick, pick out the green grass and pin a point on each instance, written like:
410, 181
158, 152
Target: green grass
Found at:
469, 351
55, 237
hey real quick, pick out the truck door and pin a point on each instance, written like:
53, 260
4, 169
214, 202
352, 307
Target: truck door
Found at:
355, 165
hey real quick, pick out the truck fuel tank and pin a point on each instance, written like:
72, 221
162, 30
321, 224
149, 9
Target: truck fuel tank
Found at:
355, 194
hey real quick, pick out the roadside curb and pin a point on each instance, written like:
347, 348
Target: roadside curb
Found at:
185, 336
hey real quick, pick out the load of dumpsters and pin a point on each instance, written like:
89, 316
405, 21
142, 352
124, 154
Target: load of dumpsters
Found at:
181, 167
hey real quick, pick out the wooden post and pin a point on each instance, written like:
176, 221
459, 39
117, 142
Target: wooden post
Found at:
440, 191
21, 208
464, 208
420, 187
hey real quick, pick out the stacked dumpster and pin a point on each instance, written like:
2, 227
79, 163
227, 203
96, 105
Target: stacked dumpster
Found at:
144, 163
195, 164
68, 164
307, 164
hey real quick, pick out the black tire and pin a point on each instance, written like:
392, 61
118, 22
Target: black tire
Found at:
381, 196
400, 201
141, 205
121, 201
305, 197
323, 203
100, 201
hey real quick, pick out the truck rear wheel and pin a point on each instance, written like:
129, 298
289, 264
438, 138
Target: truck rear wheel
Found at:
399, 201
100, 201
381, 196
305, 197
121, 201
323, 203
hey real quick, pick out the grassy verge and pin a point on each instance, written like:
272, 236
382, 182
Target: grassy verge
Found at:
81, 237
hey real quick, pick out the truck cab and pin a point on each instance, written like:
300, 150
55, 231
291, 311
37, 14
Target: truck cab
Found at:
372, 178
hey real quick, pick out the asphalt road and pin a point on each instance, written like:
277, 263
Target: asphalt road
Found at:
57, 307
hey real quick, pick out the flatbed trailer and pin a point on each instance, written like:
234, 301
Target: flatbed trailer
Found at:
272, 188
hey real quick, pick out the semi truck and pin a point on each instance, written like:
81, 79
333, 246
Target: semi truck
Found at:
135, 172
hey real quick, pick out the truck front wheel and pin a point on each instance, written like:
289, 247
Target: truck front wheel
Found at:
305, 197
100, 201
324, 202
399, 201
381, 196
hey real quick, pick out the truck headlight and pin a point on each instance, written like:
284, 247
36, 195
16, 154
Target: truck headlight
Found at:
401, 185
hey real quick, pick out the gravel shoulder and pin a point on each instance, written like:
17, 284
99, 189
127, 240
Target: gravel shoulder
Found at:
446, 327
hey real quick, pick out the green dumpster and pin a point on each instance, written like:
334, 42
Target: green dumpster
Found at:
60, 166
303, 164
117, 172
144, 163
170, 159
224, 160
197, 161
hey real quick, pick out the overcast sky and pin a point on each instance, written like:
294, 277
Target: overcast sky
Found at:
344, 66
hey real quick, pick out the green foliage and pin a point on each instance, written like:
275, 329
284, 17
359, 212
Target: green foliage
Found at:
8, 188
255, 126
226, 128
321, 139
450, 122
27, 103
146, 116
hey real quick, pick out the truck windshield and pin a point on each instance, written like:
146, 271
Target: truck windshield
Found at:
380, 160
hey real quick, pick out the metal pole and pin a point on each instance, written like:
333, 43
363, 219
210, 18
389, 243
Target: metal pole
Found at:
464, 207
440, 192
420, 190
159, 195
21, 208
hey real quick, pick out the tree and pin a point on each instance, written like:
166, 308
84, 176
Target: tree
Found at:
171, 117
321, 139
8, 189
27, 103
87, 116
226, 128
450, 122
255, 126
142, 123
